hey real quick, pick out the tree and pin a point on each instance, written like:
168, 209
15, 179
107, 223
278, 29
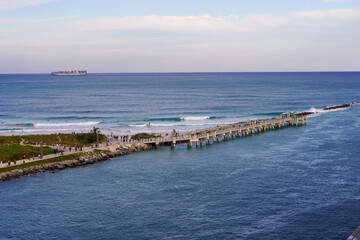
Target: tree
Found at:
96, 130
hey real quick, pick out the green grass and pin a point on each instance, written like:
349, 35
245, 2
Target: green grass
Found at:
8, 140
37, 163
17, 152
143, 135
76, 140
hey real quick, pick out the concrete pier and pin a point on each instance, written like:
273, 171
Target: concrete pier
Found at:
229, 132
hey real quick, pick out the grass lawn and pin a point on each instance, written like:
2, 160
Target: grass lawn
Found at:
75, 140
17, 152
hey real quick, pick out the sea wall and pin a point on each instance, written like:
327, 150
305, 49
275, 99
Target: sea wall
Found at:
84, 160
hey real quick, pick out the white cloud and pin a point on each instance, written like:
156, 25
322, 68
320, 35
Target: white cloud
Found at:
6, 5
203, 23
173, 23
336, 0
310, 40
51, 19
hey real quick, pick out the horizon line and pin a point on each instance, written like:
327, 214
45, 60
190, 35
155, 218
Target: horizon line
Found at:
195, 72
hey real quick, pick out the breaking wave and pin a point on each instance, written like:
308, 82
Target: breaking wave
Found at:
194, 118
11, 130
315, 110
34, 130
22, 125
179, 119
178, 124
65, 124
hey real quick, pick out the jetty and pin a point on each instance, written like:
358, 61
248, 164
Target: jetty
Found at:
236, 130
215, 134
122, 145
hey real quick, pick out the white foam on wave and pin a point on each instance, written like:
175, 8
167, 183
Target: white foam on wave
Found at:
55, 130
41, 130
65, 124
195, 118
140, 125
315, 110
179, 124
10, 130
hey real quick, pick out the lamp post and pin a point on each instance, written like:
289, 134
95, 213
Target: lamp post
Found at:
42, 150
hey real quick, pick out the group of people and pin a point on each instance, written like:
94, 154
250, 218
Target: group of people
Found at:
23, 159
76, 148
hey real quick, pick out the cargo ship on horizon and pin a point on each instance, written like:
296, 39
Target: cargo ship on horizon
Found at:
69, 73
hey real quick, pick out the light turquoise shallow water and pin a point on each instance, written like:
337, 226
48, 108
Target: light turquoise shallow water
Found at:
294, 183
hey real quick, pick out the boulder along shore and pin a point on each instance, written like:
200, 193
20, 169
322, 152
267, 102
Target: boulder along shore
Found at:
91, 158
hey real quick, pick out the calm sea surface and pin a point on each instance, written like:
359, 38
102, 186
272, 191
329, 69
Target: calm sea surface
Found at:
294, 183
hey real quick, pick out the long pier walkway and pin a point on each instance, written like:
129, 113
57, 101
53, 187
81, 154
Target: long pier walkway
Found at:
240, 129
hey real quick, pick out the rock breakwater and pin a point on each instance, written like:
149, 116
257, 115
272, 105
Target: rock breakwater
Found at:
81, 161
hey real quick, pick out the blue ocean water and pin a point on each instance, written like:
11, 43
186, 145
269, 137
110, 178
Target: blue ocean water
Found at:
127, 103
294, 183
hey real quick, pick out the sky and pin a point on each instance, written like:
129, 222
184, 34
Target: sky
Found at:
124, 36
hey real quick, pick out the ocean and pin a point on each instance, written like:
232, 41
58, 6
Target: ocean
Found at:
293, 183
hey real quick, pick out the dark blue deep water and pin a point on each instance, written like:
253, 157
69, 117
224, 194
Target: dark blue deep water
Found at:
294, 183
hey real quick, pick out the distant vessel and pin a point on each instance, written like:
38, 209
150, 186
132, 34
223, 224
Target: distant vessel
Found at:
69, 73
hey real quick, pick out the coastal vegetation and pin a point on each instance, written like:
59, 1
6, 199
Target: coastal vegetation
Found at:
16, 152
14, 148
144, 135
74, 139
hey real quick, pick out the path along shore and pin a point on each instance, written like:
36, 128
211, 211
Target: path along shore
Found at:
120, 146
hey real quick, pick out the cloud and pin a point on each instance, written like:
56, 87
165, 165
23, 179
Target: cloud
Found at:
306, 40
6, 21
203, 23
6, 5
52, 19
336, 0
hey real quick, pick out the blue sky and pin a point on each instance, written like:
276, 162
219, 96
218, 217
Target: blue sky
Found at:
179, 36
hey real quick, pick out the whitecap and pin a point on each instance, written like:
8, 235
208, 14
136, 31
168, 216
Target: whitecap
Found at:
65, 124
195, 118
315, 110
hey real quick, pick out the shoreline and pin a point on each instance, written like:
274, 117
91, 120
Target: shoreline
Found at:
81, 160
117, 148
